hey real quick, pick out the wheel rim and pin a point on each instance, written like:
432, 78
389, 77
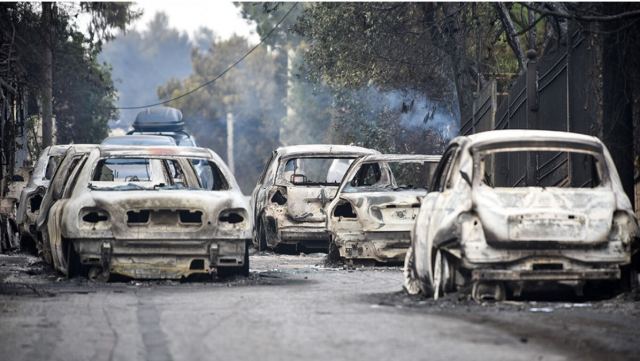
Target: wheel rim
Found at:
437, 275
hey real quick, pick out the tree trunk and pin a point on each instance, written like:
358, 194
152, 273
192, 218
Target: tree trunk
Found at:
47, 70
512, 34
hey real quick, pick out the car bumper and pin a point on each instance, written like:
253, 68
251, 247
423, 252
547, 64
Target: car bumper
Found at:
384, 247
546, 275
160, 259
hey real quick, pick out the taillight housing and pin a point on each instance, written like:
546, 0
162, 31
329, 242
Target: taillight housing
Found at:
279, 196
344, 209
233, 217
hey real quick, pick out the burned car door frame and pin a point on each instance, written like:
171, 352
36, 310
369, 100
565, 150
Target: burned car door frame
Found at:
55, 191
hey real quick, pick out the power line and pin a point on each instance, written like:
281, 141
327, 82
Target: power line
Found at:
209, 82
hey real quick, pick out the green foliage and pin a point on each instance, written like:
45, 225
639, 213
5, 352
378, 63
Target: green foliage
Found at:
267, 15
340, 90
84, 96
83, 93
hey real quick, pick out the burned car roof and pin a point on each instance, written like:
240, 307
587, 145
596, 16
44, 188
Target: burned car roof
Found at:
190, 152
400, 157
329, 149
507, 137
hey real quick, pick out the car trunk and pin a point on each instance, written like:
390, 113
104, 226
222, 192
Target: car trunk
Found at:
535, 216
306, 203
386, 211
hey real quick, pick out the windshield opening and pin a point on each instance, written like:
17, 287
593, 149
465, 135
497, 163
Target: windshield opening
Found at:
123, 170
52, 164
390, 175
131, 173
316, 171
562, 169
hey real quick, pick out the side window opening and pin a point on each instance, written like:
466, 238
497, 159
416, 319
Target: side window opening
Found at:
61, 179
211, 177
368, 175
441, 176
266, 169
52, 164
75, 173
174, 171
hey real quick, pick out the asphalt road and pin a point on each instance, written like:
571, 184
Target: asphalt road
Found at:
294, 308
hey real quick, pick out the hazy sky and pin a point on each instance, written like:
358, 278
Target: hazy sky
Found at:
188, 15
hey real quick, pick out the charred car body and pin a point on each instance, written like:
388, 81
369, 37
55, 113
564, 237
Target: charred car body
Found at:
376, 206
564, 219
33, 193
144, 212
291, 194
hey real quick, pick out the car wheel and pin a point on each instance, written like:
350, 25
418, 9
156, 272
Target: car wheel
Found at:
629, 279
46, 249
333, 254
71, 260
412, 284
261, 236
27, 244
443, 280
224, 272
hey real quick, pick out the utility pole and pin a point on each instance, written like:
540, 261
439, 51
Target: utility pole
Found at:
230, 161
47, 68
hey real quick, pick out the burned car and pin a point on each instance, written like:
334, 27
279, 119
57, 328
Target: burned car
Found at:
376, 206
291, 194
512, 209
144, 212
32, 194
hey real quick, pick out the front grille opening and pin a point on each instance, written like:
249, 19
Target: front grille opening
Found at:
95, 217
231, 217
227, 260
141, 216
197, 264
190, 217
35, 202
548, 267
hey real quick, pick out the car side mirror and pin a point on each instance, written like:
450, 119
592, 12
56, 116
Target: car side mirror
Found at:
466, 177
298, 179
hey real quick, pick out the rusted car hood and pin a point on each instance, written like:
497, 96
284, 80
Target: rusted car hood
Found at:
580, 216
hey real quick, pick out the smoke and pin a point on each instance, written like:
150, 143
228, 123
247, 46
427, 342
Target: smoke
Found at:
415, 110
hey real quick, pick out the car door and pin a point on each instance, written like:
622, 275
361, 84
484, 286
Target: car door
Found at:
431, 211
57, 185
259, 194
